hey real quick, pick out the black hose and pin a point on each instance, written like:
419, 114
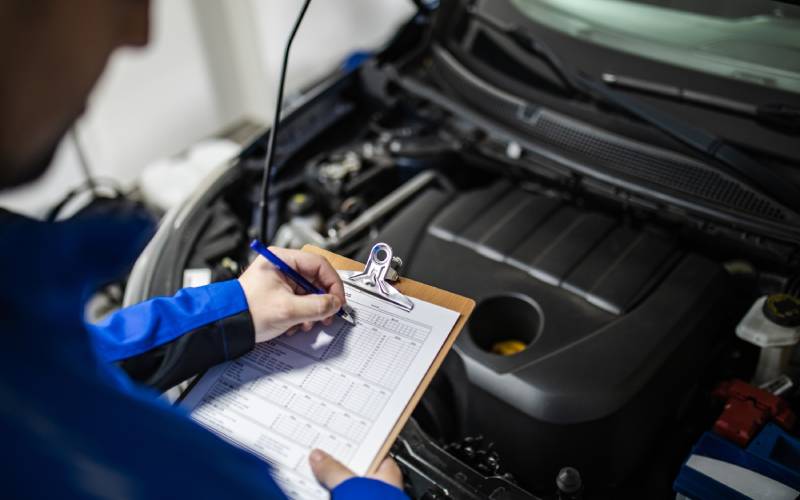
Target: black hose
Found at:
267, 180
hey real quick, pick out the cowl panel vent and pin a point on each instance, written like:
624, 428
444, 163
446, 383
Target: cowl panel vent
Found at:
658, 167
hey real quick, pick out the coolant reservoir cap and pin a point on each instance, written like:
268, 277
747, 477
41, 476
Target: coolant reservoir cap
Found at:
300, 204
782, 309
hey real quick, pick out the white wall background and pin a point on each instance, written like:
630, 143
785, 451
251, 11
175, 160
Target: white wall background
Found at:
210, 62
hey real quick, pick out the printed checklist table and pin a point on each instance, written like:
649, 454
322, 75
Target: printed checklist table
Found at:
341, 388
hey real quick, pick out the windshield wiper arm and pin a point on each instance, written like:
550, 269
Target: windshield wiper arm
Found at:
696, 138
533, 46
777, 115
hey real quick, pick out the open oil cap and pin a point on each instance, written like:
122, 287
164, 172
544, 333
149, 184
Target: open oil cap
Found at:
783, 309
505, 325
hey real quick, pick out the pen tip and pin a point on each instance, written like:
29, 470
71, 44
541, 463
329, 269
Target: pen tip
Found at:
345, 315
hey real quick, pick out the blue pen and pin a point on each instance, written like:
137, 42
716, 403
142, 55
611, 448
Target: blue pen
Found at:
295, 276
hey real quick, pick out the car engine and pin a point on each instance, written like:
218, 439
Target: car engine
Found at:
603, 319
587, 331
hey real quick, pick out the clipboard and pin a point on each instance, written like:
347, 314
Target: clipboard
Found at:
421, 291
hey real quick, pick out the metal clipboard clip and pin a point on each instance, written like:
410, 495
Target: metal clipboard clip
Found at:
373, 279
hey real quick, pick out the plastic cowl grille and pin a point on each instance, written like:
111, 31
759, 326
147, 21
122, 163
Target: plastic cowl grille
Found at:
693, 179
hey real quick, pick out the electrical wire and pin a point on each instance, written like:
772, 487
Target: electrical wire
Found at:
92, 188
83, 160
273, 133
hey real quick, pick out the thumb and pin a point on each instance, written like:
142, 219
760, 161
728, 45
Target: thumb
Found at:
313, 307
389, 472
328, 471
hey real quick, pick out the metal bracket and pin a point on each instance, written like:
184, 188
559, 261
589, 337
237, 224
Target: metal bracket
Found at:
373, 279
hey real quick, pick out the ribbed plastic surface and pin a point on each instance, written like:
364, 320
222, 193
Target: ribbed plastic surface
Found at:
652, 165
588, 254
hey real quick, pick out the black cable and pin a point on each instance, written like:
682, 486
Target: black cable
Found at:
95, 189
93, 186
83, 160
267, 180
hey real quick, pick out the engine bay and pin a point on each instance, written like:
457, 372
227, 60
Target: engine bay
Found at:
603, 321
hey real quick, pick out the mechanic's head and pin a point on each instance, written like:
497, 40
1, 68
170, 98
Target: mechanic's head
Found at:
52, 53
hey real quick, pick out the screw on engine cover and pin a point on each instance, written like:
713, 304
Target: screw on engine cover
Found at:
569, 484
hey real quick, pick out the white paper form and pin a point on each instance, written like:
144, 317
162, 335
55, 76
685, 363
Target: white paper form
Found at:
340, 388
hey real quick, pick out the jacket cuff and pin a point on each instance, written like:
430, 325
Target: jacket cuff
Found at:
362, 487
238, 334
221, 339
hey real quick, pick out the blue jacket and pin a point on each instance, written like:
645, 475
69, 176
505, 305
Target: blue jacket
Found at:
73, 424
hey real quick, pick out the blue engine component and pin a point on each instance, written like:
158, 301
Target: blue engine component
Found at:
717, 469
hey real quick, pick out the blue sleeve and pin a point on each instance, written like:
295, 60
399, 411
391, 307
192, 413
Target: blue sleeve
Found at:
142, 327
362, 487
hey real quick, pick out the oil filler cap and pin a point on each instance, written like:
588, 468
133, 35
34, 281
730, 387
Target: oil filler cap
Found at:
782, 309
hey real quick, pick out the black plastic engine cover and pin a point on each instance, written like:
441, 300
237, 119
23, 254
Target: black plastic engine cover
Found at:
616, 320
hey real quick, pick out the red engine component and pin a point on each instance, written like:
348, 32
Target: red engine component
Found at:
747, 410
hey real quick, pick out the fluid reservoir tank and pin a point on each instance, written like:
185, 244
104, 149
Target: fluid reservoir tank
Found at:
773, 324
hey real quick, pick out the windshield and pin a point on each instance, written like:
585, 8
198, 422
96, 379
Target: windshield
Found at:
755, 40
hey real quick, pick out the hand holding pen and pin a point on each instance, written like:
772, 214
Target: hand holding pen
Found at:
280, 302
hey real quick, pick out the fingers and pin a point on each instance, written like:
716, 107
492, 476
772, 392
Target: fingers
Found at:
389, 472
314, 268
307, 326
278, 305
331, 473
328, 471
309, 308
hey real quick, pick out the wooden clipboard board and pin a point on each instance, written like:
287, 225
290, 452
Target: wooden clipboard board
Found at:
443, 298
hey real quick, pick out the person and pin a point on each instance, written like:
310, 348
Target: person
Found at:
73, 424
